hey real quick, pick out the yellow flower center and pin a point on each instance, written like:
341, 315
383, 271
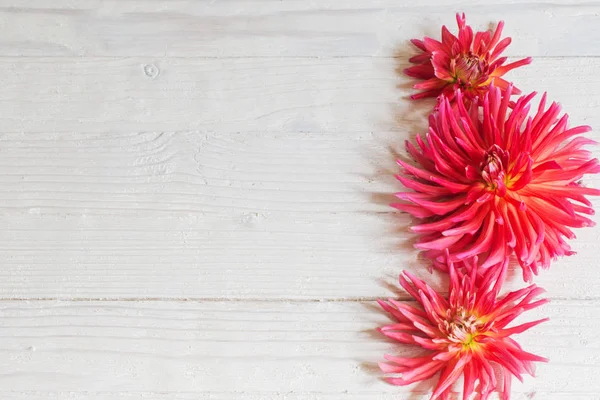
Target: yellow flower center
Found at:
462, 327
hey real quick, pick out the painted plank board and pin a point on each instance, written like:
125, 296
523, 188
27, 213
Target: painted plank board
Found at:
281, 28
196, 172
240, 255
250, 350
349, 95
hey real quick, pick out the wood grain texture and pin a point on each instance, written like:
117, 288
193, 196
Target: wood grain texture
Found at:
281, 28
350, 95
261, 350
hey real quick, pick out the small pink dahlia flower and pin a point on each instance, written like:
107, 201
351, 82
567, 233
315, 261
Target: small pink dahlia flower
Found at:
469, 63
463, 335
492, 182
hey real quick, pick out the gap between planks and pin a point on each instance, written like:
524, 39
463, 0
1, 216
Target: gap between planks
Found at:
590, 299
275, 57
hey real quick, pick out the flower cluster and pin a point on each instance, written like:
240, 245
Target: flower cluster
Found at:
492, 182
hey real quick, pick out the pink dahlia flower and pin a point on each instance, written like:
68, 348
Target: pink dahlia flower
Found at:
467, 62
463, 335
492, 182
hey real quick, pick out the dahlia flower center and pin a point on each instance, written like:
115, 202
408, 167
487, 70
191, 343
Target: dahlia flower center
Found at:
493, 170
462, 328
469, 70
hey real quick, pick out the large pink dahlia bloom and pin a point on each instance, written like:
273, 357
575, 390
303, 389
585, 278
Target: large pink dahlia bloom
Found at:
492, 182
463, 335
467, 62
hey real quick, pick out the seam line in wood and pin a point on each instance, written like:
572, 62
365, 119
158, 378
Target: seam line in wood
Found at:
237, 299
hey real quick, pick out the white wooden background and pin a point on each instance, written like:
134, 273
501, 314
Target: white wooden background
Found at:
194, 194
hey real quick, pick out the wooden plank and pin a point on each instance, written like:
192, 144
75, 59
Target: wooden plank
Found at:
124, 95
195, 172
281, 28
132, 94
196, 255
194, 215
239, 255
252, 350
356, 95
